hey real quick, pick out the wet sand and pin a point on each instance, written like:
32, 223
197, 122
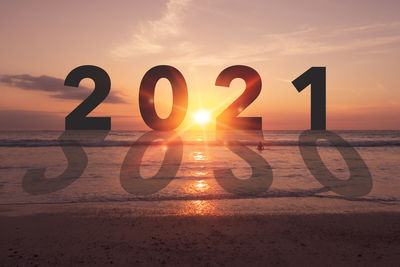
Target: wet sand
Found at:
68, 235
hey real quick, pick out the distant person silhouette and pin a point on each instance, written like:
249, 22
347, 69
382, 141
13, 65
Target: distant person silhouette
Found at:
260, 146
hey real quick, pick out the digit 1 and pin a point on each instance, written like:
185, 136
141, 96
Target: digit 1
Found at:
316, 77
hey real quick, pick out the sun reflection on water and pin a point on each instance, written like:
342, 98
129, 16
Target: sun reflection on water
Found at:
197, 207
201, 170
201, 173
199, 186
199, 156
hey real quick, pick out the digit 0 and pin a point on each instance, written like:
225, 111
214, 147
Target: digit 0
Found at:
360, 181
146, 98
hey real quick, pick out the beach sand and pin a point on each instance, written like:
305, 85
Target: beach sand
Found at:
106, 234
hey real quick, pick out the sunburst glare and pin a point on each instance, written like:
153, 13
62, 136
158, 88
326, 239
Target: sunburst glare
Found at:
202, 116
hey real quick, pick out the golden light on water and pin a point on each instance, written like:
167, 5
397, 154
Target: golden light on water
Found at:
197, 187
198, 207
201, 186
199, 156
202, 116
201, 173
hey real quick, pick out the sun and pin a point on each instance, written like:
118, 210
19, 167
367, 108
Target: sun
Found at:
202, 116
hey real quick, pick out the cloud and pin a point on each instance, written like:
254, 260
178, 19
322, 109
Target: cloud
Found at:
175, 39
17, 119
322, 41
308, 41
152, 35
55, 87
30, 120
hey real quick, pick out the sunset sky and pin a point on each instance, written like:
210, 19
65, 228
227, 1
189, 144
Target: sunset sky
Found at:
357, 41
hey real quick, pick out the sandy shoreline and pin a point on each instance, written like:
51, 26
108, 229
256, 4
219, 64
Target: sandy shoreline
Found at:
106, 235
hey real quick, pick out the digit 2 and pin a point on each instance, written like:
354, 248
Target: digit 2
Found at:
228, 118
77, 119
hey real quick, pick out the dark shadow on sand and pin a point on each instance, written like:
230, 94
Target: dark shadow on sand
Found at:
34, 181
130, 177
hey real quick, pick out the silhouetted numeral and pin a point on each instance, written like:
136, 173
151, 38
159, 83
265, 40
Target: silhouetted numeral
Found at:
316, 77
360, 181
130, 177
228, 118
77, 119
261, 177
34, 181
179, 93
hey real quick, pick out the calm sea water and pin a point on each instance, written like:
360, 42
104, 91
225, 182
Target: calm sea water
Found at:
64, 167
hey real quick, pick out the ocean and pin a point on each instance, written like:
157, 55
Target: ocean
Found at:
166, 171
